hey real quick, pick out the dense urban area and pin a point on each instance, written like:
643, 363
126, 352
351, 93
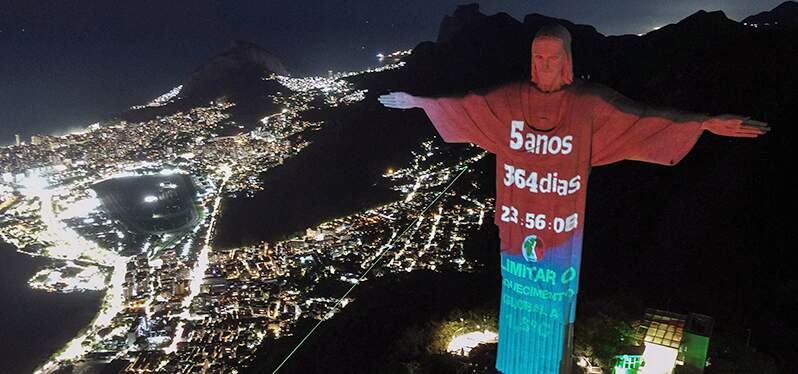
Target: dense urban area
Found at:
174, 303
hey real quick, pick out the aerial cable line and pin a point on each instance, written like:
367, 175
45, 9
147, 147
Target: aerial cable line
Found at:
385, 249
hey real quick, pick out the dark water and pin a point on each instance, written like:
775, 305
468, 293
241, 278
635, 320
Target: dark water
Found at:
34, 324
171, 209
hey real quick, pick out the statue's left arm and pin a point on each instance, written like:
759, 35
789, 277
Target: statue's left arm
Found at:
625, 130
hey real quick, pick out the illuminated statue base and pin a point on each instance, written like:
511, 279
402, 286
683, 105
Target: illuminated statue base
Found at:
536, 316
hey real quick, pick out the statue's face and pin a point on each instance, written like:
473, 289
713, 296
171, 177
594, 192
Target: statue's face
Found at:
548, 60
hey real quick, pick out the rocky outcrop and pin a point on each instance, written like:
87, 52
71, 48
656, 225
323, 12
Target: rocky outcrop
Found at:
463, 15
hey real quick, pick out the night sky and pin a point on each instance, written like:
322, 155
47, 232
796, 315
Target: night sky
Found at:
66, 64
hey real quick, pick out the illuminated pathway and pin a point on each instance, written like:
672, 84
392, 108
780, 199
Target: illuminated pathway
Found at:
112, 305
67, 244
198, 273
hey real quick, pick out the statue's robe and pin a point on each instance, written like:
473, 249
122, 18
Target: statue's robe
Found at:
545, 145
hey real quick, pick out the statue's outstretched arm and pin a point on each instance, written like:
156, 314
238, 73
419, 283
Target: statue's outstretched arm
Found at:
476, 117
626, 130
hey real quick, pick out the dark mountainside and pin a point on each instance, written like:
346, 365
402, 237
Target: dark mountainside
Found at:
226, 73
782, 16
235, 75
703, 236
451, 25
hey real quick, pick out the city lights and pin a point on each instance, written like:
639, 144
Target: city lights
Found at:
166, 295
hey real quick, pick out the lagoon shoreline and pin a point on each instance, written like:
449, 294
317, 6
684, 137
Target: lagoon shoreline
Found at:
35, 324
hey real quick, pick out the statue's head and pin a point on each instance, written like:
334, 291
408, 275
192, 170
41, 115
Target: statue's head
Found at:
552, 66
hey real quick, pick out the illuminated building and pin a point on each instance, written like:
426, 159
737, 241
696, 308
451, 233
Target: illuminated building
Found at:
673, 343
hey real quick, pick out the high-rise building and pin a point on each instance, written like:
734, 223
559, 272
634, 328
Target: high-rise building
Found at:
18, 139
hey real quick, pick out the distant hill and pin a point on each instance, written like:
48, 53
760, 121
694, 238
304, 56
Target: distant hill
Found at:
232, 73
783, 16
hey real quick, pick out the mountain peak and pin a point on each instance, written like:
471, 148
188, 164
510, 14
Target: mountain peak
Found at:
706, 18
463, 15
246, 52
240, 66
701, 23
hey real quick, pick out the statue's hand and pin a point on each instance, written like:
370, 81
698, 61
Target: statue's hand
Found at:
398, 100
735, 126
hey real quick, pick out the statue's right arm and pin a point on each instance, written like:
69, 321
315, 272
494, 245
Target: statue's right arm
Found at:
467, 119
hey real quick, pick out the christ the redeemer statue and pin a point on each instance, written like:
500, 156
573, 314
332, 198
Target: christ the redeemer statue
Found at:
546, 135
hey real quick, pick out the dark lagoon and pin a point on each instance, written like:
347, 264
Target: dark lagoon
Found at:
34, 324
150, 203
